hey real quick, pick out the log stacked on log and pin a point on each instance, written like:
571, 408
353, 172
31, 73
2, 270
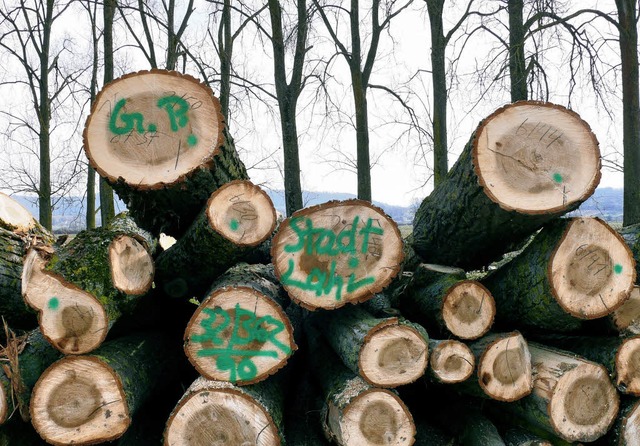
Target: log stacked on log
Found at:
421, 347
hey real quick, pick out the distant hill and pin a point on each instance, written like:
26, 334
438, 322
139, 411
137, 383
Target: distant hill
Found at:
69, 216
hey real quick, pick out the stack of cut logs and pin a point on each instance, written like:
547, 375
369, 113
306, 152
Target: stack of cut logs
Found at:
313, 330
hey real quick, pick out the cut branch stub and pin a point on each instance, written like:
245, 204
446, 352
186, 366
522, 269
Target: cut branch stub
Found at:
626, 318
451, 361
152, 128
79, 400
71, 319
239, 335
627, 366
14, 217
216, 412
525, 165
336, 253
132, 268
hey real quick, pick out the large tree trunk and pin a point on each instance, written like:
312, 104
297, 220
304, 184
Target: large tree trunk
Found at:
517, 172
240, 332
572, 398
87, 284
237, 217
334, 253
159, 139
447, 302
90, 399
217, 412
24, 358
628, 27
385, 352
574, 269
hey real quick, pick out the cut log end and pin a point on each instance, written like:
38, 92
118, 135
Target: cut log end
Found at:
335, 253
132, 268
592, 270
152, 128
376, 417
452, 362
393, 355
536, 158
504, 369
79, 400
241, 212
584, 404
468, 310
628, 366
220, 416
70, 318
239, 335
626, 318
13, 216
630, 428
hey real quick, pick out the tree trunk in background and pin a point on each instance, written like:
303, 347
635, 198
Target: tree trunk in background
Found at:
107, 208
44, 116
517, 68
288, 94
630, 109
362, 132
439, 82
90, 218
225, 45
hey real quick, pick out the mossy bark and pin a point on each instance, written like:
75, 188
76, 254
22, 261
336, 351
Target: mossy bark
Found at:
13, 309
173, 208
303, 425
459, 225
522, 288
84, 262
23, 361
521, 437
631, 236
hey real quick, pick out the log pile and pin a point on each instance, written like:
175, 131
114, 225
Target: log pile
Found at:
327, 327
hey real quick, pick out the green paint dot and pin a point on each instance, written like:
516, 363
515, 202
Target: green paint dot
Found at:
54, 303
557, 178
353, 262
152, 128
234, 225
617, 268
192, 140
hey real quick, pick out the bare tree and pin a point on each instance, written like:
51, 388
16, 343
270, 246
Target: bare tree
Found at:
360, 66
25, 37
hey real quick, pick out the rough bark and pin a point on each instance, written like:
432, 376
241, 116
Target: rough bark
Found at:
91, 399
521, 437
574, 269
451, 361
572, 398
240, 332
23, 360
237, 218
517, 172
162, 146
385, 352
86, 285
517, 63
445, 301
354, 412
217, 412
335, 253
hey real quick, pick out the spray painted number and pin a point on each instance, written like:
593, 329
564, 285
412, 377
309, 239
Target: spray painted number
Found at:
235, 352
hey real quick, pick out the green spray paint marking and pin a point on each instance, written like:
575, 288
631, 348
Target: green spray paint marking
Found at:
557, 177
177, 116
54, 303
152, 128
234, 225
235, 359
192, 140
617, 268
129, 120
